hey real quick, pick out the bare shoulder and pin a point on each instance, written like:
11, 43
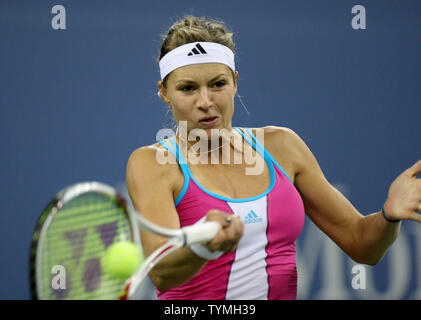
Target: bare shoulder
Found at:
278, 133
151, 182
274, 132
285, 145
151, 163
276, 138
144, 157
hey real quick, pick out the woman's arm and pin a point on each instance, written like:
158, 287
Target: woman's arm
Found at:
151, 187
364, 238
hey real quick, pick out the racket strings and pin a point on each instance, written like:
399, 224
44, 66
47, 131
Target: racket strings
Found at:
76, 239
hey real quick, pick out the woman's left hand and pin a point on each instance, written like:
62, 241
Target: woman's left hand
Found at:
404, 197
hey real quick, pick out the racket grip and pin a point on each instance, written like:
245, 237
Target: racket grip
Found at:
200, 233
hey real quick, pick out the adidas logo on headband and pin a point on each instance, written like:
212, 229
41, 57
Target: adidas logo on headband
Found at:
195, 51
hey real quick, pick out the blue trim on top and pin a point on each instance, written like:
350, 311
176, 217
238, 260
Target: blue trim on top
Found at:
167, 146
268, 154
179, 155
184, 169
269, 189
258, 147
187, 173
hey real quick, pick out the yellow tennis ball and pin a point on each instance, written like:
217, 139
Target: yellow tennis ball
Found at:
121, 259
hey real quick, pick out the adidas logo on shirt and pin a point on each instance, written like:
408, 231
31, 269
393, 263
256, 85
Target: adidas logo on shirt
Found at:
252, 217
198, 49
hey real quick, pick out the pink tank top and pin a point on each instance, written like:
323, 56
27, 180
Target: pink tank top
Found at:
263, 266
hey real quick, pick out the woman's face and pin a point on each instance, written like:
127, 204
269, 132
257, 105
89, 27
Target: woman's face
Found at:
202, 95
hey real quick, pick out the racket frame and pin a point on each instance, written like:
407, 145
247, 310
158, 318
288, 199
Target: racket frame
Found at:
64, 196
199, 233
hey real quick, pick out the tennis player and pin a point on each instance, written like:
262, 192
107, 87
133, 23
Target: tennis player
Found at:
262, 215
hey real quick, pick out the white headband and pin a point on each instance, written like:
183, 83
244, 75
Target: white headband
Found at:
196, 53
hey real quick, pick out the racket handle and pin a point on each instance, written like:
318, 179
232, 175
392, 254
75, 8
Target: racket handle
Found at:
200, 233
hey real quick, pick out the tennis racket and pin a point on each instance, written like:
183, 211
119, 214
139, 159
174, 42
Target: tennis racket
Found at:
74, 231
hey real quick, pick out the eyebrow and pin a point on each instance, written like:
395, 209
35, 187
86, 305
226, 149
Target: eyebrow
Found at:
191, 81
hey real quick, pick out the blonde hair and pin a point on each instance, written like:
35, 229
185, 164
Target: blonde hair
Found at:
193, 29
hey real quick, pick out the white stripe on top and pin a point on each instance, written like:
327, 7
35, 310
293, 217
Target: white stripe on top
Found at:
248, 279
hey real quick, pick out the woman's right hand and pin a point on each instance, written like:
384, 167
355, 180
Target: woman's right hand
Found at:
228, 237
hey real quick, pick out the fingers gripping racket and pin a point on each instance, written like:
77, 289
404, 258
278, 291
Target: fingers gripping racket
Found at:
75, 230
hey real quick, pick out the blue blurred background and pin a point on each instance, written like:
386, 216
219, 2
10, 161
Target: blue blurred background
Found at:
75, 103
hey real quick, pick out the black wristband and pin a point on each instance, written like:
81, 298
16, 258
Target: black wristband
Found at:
388, 219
